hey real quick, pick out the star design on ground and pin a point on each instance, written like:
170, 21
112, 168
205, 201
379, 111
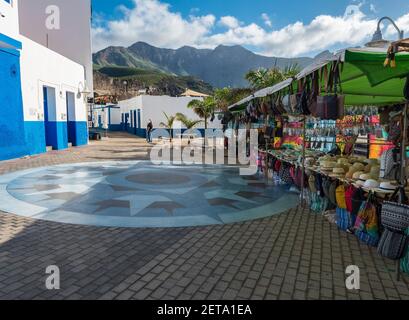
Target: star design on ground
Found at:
107, 204
260, 185
63, 195
169, 206
223, 202
251, 195
122, 189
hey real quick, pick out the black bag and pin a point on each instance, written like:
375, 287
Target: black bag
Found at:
392, 245
395, 216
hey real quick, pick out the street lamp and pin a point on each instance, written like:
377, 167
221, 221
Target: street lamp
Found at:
377, 39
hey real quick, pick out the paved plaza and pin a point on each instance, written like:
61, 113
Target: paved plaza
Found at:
293, 255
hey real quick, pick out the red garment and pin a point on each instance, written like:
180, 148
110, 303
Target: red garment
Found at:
349, 192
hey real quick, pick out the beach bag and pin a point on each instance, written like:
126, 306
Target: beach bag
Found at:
332, 193
286, 103
349, 192
392, 245
340, 197
327, 107
311, 183
395, 216
404, 262
277, 166
343, 219
358, 198
389, 165
284, 174
366, 223
319, 181
294, 102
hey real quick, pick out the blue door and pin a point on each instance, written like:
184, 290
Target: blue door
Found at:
12, 132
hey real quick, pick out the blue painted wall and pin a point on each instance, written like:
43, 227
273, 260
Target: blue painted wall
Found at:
56, 133
12, 136
35, 137
78, 132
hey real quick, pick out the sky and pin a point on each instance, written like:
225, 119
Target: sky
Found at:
293, 28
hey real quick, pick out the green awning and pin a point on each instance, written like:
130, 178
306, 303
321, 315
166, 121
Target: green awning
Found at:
365, 81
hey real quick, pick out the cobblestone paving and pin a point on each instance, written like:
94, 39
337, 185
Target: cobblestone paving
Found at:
294, 255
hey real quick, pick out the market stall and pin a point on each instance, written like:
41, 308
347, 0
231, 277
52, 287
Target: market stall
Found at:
347, 116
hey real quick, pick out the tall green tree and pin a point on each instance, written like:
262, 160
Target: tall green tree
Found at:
188, 123
168, 124
204, 108
263, 78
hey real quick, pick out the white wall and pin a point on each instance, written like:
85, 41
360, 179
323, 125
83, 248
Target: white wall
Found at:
152, 107
72, 40
9, 23
43, 67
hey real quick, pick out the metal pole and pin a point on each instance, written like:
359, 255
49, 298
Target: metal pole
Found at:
402, 168
303, 161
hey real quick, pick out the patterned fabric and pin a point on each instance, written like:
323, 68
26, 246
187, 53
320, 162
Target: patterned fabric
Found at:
404, 263
392, 245
395, 216
387, 165
284, 174
366, 224
343, 219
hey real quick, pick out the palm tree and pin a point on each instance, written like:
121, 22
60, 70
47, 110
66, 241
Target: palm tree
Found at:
188, 123
203, 108
263, 78
168, 124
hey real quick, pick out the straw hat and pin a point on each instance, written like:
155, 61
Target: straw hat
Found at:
337, 173
358, 166
351, 172
370, 185
372, 162
386, 187
362, 179
343, 161
356, 175
327, 165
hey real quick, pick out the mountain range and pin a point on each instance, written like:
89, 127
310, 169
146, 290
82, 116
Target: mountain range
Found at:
224, 66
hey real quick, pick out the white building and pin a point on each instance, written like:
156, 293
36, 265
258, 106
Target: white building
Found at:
136, 112
45, 88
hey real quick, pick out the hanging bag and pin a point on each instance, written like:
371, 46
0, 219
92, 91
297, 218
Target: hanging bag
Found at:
366, 223
327, 105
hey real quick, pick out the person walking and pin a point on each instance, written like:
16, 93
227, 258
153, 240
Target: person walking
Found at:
149, 129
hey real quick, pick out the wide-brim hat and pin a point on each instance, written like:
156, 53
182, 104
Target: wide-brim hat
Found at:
358, 165
362, 179
370, 185
386, 187
337, 173
356, 175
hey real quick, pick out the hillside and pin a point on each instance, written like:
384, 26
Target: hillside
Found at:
222, 67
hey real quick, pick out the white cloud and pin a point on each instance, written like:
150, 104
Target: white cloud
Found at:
267, 20
229, 22
402, 23
153, 21
372, 8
